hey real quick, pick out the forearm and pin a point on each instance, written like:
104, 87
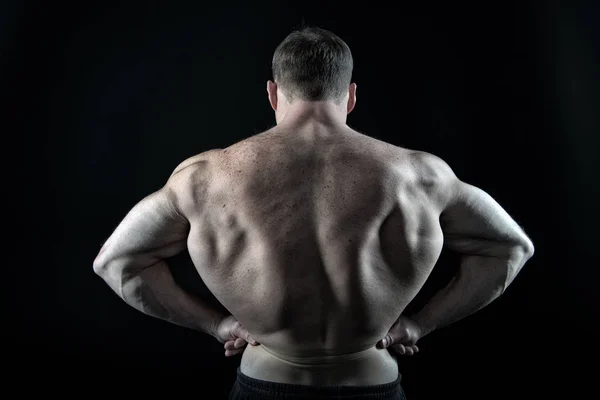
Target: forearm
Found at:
479, 281
154, 292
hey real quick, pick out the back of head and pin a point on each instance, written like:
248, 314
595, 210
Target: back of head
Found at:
313, 64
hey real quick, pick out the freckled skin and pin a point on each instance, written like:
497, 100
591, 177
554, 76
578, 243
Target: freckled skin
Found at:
316, 241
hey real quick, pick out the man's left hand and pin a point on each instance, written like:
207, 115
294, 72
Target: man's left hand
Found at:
231, 332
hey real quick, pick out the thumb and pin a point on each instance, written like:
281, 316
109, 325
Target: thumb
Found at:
244, 334
387, 341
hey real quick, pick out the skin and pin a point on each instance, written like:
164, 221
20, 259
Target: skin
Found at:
315, 238
317, 112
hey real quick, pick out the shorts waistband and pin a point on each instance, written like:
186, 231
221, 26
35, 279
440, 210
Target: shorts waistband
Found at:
289, 390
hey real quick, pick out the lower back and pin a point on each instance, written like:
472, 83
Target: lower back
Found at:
370, 366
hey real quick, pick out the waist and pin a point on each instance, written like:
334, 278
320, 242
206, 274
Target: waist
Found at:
370, 366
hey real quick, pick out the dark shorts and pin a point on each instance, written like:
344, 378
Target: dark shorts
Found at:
246, 388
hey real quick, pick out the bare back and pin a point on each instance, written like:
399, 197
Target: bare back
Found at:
315, 242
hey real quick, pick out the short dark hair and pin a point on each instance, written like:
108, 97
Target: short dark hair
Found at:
312, 64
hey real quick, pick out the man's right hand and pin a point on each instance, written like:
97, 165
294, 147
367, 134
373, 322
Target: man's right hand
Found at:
402, 337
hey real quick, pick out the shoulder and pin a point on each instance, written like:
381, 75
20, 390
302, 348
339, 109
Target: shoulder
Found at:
434, 176
189, 178
197, 161
430, 166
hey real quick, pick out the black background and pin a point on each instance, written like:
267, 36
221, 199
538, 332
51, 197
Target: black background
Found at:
102, 100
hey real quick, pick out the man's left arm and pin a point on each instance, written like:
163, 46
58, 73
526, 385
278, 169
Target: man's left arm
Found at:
132, 261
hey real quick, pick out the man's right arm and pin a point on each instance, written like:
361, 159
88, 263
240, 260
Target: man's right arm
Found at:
493, 247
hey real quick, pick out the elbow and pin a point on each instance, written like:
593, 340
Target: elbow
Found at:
522, 250
99, 268
103, 266
100, 264
112, 274
108, 271
519, 254
106, 265
531, 248
527, 249
105, 271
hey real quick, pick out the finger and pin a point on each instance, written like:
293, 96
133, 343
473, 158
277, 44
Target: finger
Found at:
400, 349
415, 348
230, 353
385, 342
409, 350
243, 333
239, 342
230, 345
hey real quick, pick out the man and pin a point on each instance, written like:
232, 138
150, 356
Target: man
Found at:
315, 238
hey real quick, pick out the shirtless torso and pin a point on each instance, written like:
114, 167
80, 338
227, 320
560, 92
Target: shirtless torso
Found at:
316, 241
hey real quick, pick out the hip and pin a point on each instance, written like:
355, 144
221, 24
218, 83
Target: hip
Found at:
370, 366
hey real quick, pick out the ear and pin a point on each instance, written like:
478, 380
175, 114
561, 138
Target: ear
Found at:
351, 97
272, 91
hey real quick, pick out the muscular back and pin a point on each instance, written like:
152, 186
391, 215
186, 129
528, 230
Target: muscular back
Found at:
315, 241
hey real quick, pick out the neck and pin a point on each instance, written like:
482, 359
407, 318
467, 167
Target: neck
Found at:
314, 112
